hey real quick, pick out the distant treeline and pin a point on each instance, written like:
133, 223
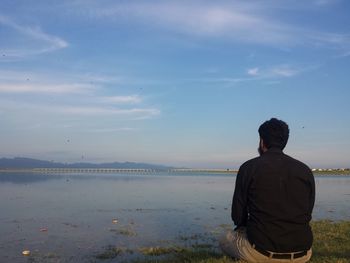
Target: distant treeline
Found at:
332, 172
28, 163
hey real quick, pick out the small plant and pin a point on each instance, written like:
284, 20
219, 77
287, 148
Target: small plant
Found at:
158, 251
112, 252
124, 231
331, 245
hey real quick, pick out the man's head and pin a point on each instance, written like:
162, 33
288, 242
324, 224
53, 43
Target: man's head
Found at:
273, 133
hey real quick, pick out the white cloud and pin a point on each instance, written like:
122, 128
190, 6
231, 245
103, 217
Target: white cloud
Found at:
325, 2
48, 77
345, 54
231, 21
108, 130
42, 41
224, 79
282, 71
95, 78
126, 114
253, 22
17, 84
45, 88
257, 73
136, 112
52, 110
334, 39
253, 71
133, 99
21, 81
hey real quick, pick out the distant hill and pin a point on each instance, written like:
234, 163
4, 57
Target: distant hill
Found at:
28, 163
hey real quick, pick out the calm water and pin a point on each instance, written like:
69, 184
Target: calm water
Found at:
69, 218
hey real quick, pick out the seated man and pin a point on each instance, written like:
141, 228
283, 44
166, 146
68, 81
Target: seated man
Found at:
272, 203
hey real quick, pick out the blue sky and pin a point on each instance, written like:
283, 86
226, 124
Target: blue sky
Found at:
183, 83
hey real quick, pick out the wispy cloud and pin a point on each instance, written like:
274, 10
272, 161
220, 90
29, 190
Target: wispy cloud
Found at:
345, 54
26, 81
95, 78
326, 2
78, 110
233, 21
253, 71
339, 42
280, 71
47, 77
91, 100
133, 99
283, 71
108, 130
134, 112
45, 88
41, 41
270, 75
254, 22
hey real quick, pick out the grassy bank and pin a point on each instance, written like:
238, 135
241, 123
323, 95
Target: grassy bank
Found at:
331, 173
331, 244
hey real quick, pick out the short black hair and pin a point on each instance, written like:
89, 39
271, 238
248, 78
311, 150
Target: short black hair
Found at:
275, 133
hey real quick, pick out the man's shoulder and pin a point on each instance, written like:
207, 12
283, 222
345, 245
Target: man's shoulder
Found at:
297, 163
250, 163
261, 160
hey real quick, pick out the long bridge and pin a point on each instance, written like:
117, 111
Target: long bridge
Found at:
118, 170
94, 170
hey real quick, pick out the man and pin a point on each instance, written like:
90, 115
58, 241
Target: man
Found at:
272, 203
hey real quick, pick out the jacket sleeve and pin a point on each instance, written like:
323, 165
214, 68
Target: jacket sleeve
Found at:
239, 211
312, 192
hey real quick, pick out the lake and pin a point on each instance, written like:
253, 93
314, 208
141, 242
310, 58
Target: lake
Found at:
76, 217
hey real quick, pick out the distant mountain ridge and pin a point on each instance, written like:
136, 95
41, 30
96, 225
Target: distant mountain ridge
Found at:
28, 163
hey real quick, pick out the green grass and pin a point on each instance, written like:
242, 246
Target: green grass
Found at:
125, 231
331, 245
331, 241
330, 173
158, 251
112, 252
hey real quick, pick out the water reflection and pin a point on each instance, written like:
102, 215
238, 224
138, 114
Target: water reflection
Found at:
78, 211
25, 178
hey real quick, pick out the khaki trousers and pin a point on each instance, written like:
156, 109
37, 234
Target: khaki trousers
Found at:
236, 245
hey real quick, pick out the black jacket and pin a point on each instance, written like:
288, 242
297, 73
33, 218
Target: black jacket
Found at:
274, 197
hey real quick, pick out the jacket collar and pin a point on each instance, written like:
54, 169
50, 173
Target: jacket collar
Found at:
274, 150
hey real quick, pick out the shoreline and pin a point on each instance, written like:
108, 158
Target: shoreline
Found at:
331, 244
147, 171
116, 171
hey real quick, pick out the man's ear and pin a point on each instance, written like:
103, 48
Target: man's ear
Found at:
262, 145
